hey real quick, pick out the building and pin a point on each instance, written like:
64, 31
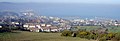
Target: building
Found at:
34, 27
0, 26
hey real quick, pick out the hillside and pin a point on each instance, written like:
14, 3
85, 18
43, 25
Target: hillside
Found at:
32, 36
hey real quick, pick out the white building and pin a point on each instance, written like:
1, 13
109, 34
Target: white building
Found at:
0, 26
40, 27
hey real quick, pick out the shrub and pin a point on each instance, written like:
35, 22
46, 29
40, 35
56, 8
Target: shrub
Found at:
102, 35
93, 36
117, 37
66, 33
110, 36
114, 39
83, 34
103, 39
74, 34
87, 37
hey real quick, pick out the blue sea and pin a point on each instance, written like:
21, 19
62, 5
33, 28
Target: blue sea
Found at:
66, 9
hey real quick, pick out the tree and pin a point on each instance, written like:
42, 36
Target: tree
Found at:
5, 29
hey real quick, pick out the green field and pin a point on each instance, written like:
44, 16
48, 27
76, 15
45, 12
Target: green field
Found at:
32, 36
113, 29
88, 28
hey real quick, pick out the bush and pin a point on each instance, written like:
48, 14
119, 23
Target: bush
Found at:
114, 39
83, 34
117, 37
93, 36
103, 39
102, 35
110, 36
66, 33
74, 34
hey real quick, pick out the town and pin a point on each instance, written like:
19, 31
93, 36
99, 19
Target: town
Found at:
59, 20
29, 21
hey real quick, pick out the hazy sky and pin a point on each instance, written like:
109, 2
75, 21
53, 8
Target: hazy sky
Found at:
67, 1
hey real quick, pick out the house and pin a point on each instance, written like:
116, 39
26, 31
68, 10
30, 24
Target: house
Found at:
50, 29
43, 25
15, 23
46, 29
54, 29
0, 26
34, 27
26, 26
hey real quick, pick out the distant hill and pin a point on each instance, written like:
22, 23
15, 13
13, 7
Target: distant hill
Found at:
8, 13
6, 3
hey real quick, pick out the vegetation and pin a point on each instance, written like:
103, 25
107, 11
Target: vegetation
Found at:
32, 36
100, 36
66, 33
74, 35
117, 37
83, 34
5, 29
113, 29
93, 36
103, 39
88, 28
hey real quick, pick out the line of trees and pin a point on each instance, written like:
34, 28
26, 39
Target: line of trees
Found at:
5, 29
8, 28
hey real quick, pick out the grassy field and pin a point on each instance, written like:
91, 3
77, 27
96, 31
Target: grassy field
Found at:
113, 29
32, 36
88, 28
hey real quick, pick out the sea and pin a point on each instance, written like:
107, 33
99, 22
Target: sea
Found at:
82, 10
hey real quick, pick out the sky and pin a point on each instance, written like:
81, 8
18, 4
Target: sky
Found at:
67, 1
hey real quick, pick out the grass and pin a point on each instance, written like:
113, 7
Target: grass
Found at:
89, 28
112, 29
32, 36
